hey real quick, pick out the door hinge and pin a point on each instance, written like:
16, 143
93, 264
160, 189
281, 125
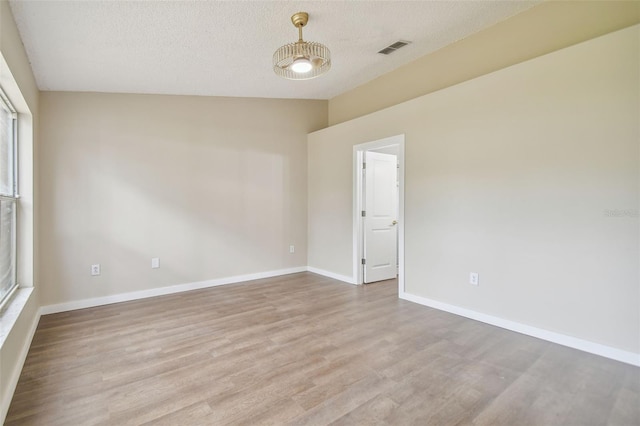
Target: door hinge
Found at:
364, 262
364, 166
364, 213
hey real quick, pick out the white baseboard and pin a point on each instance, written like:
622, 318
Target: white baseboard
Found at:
161, 291
12, 380
344, 278
561, 339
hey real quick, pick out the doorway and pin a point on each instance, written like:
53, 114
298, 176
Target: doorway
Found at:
377, 222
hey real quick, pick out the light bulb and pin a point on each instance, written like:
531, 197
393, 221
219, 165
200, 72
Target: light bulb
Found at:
301, 66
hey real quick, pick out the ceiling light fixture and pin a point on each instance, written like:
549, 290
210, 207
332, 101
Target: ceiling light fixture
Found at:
302, 60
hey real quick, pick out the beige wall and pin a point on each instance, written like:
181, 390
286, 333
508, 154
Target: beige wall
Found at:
545, 28
510, 175
214, 187
17, 79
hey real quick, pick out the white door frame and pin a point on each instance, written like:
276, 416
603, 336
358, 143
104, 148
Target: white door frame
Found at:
358, 231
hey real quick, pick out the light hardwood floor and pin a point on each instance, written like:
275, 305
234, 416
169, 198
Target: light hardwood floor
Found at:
304, 349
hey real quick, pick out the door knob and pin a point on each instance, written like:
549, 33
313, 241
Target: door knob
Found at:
395, 222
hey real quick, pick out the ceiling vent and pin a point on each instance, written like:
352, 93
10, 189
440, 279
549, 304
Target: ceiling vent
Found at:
393, 47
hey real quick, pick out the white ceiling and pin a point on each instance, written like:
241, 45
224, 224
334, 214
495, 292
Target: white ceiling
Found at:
224, 48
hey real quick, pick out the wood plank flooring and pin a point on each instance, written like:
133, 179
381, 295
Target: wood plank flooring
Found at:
307, 350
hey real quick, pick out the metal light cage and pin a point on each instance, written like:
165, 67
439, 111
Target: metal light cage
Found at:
316, 53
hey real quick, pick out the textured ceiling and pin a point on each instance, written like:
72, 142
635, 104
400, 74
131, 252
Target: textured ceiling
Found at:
224, 48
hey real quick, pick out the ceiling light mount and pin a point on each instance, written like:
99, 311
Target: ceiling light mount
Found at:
302, 60
299, 20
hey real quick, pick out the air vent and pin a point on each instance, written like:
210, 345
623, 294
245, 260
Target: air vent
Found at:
393, 47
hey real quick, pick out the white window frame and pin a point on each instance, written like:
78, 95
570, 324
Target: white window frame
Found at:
12, 197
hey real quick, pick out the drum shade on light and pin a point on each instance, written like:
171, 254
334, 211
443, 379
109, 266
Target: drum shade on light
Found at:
302, 60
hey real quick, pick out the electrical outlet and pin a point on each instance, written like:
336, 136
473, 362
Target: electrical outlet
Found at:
95, 269
155, 262
474, 278
292, 249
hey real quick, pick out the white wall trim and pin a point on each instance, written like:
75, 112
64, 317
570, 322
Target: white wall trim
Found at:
339, 277
551, 336
179, 288
161, 291
12, 380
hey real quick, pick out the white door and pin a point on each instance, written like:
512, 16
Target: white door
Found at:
380, 217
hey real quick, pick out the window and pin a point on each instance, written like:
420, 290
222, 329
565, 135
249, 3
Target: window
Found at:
8, 196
